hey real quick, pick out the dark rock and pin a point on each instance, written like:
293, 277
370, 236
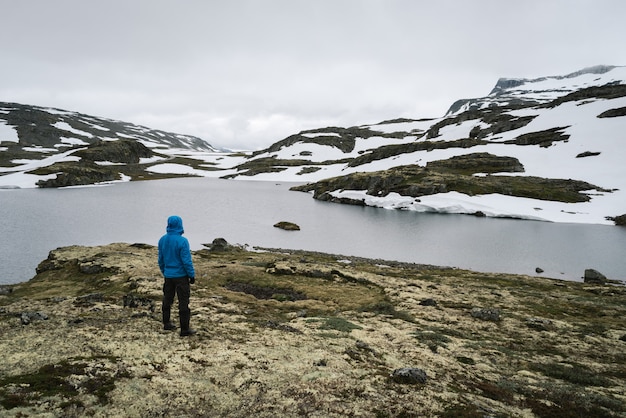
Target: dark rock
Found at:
5, 290
479, 162
542, 138
134, 301
90, 299
428, 302
619, 220
613, 113
594, 277
480, 214
486, 314
623, 337
218, 244
50, 263
287, 226
409, 376
91, 268
76, 173
27, 317
539, 324
125, 151
265, 292
142, 246
587, 154
538, 270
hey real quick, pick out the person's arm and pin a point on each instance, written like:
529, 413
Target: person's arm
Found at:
185, 257
160, 260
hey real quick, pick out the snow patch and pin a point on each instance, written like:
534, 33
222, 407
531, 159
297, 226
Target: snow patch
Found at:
67, 127
8, 133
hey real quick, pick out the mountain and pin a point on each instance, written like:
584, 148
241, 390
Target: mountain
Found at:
549, 148
51, 147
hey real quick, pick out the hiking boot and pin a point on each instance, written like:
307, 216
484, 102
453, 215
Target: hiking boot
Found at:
187, 332
169, 327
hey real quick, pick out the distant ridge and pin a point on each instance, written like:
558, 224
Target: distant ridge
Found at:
548, 148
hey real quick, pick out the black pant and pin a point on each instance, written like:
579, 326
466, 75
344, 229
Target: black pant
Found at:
179, 287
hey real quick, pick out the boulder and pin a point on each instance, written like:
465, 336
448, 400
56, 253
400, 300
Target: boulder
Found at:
27, 317
594, 276
486, 314
409, 375
287, 226
218, 244
428, 302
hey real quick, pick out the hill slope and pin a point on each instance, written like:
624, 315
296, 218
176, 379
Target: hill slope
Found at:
51, 147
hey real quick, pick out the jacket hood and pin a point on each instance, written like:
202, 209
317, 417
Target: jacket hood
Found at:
175, 225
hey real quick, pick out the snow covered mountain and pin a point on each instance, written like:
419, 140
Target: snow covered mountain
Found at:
548, 149
51, 147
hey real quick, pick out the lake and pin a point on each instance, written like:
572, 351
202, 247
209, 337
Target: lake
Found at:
35, 221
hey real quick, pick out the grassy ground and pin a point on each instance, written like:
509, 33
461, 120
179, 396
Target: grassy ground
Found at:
307, 334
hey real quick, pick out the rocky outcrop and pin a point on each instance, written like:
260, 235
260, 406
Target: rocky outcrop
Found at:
454, 174
619, 220
76, 174
481, 162
542, 138
123, 151
613, 113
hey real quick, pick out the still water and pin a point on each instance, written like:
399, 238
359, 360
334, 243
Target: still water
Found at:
34, 221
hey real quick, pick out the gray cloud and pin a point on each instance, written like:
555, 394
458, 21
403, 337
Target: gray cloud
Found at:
244, 74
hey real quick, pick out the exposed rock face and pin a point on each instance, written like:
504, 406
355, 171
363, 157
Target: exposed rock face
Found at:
77, 174
481, 162
613, 113
121, 151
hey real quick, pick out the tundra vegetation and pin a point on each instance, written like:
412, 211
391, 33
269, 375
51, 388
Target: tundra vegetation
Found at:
293, 333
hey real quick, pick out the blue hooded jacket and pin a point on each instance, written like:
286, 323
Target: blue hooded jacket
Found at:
174, 253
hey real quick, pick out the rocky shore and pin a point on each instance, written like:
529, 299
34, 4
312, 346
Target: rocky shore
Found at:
291, 334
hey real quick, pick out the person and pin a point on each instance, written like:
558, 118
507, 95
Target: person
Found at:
178, 271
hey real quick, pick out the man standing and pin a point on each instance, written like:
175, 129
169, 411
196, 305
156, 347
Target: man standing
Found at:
177, 268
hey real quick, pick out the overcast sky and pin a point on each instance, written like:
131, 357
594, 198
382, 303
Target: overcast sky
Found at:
244, 74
